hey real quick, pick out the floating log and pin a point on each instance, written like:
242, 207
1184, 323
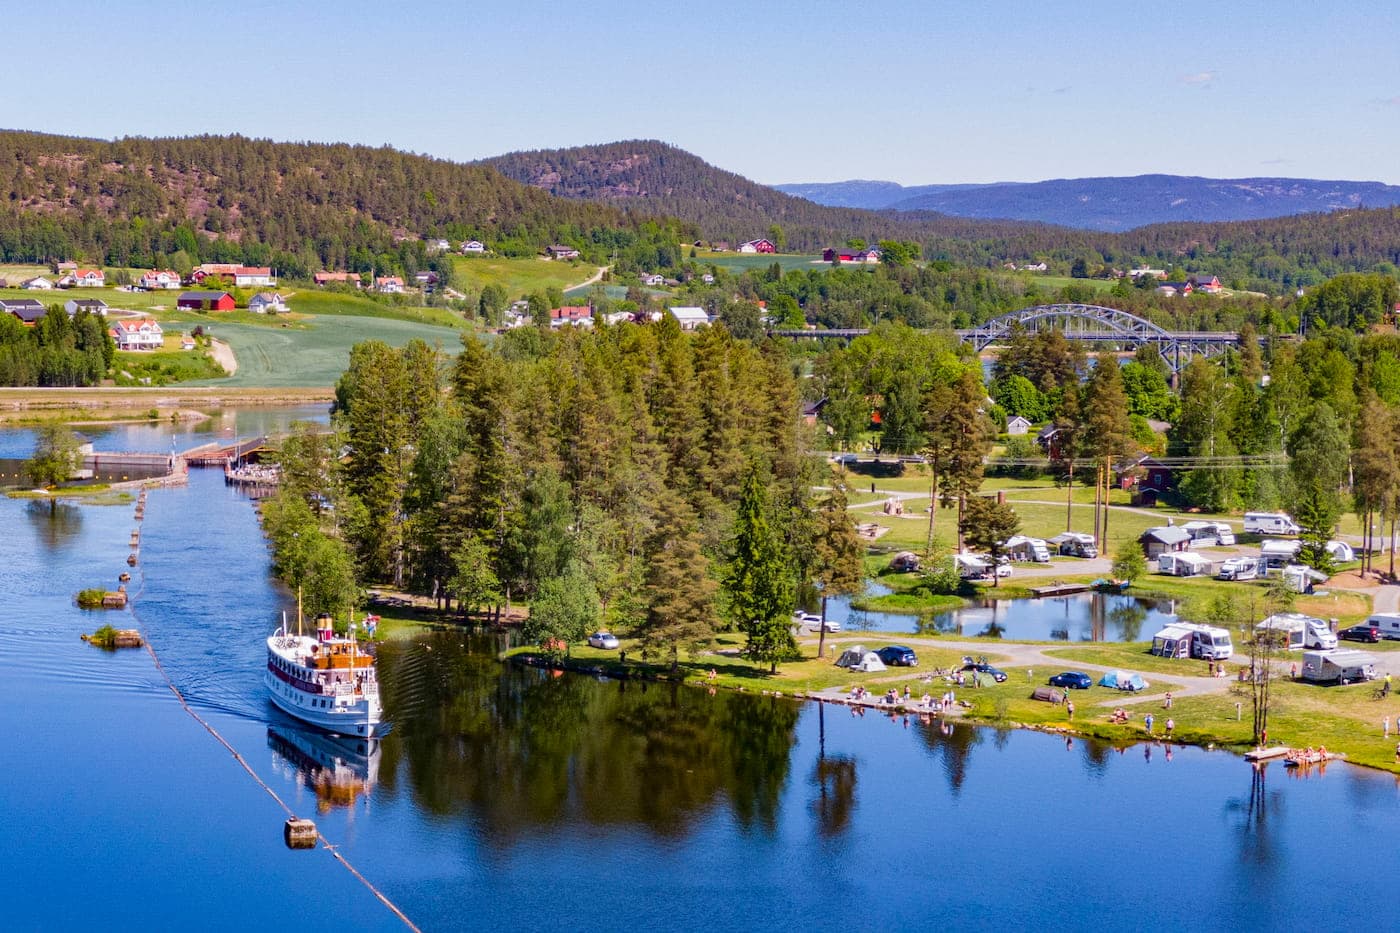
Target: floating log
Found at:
115, 638
299, 833
124, 577
114, 600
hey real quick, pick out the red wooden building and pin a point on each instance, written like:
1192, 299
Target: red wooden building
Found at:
205, 301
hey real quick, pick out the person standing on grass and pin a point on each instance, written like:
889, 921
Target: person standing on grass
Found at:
1168, 703
1147, 721
1171, 724
1069, 708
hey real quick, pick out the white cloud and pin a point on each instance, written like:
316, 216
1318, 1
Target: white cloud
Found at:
1200, 78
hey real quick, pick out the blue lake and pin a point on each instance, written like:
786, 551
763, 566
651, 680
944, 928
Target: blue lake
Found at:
508, 796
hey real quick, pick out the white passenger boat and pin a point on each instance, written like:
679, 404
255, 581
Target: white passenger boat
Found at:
327, 681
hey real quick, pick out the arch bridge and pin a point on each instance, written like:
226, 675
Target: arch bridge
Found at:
1096, 324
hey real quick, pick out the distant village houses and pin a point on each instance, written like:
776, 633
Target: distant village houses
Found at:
689, 317
850, 255
89, 278
38, 283
388, 284
267, 303
761, 245
653, 278
473, 247
27, 310
557, 251
90, 305
325, 278
571, 316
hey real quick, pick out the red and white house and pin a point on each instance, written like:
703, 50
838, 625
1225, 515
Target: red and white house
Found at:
388, 284
324, 278
205, 301
254, 277
137, 334
159, 278
90, 278
1204, 282
571, 316
761, 245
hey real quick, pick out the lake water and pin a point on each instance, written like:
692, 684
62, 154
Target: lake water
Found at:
509, 796
1075, 618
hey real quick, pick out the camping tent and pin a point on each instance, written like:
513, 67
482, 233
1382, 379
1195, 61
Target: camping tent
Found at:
858, 659
1301, 577
904, 562
1340, 551
1047, 694
1122, 680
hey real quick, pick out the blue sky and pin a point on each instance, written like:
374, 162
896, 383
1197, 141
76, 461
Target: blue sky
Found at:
815, 91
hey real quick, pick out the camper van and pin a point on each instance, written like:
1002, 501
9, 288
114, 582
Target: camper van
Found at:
1022, 548
1239, 568
1339, 666
1269, 523
1387, 624
1075, 544
1295, 630
1183, 564
1275, 553
1209, 534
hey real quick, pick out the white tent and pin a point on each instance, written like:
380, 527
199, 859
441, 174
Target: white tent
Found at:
1174, 641
1183, 564
1300, 576
856, 658
1341, 552
970, 565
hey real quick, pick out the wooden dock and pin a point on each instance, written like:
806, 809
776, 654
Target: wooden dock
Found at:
1264, 754
1059, 589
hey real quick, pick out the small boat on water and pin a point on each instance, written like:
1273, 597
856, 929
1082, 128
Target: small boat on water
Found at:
327, 681
1104, 585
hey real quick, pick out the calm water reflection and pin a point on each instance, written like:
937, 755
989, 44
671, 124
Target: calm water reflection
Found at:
1080, 617
510, 796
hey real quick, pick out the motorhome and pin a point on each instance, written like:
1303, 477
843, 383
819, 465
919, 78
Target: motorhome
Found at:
1075, 544
1339, 666
1269, 523
1209, 534
1386, 623
1022, 548
1187, 639
1275, 554
1301, 578
1239, 568
1295, 630
1183, 564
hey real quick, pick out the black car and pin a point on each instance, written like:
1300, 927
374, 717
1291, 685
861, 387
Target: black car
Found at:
1361, 632
1073, 680
982, 667
898, 656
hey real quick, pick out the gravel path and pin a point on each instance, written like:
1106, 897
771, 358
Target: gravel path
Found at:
223, 355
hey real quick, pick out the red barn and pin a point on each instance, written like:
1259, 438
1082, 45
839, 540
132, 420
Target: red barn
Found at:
758, 246
205, 301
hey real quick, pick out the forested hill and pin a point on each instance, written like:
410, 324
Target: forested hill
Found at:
300, 206
656, 178
1111, 203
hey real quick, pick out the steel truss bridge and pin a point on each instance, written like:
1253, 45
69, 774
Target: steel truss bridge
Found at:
1080, 323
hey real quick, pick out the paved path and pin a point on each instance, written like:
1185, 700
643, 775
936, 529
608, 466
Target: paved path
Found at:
1386, 599
587, 282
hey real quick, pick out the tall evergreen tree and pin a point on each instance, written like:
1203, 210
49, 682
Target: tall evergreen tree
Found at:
839, 567
1107, 433
680, 595
758, 579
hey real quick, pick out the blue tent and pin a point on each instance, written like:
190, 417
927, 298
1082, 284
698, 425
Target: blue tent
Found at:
1122, 680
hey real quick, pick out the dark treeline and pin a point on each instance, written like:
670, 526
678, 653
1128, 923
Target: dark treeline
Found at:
1273, 255
597, 475
57, 351
297, 206
302, 206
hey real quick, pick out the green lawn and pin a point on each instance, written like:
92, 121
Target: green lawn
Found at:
315, 351
519, 277
748, 262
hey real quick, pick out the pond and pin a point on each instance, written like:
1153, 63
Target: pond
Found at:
510, 796
1079, 617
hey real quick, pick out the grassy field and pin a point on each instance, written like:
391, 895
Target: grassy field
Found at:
519, 277
747, 262
1057, 282
315, 351
164, 366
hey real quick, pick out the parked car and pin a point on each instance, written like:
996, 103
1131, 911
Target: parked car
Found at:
811, 620
605, 640
1073, 680
898, 656
982, 667
1362, 632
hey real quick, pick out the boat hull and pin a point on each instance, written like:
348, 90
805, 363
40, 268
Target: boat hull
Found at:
357, 719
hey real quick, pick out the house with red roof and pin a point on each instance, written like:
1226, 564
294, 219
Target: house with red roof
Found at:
851, 255
159, 278
90, 278
137, 334
205, 301
571, 316
761, 245
388, 284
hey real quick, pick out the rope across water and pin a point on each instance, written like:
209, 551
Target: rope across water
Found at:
329, 846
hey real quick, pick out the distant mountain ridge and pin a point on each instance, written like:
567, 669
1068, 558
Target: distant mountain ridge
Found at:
1109, 204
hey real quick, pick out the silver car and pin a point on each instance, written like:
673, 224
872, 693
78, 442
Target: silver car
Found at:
604, 640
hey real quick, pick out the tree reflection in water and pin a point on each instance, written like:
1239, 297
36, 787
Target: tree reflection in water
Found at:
1258, 847
835, 778
522, 748
55, 523
952, 745
1126, 619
